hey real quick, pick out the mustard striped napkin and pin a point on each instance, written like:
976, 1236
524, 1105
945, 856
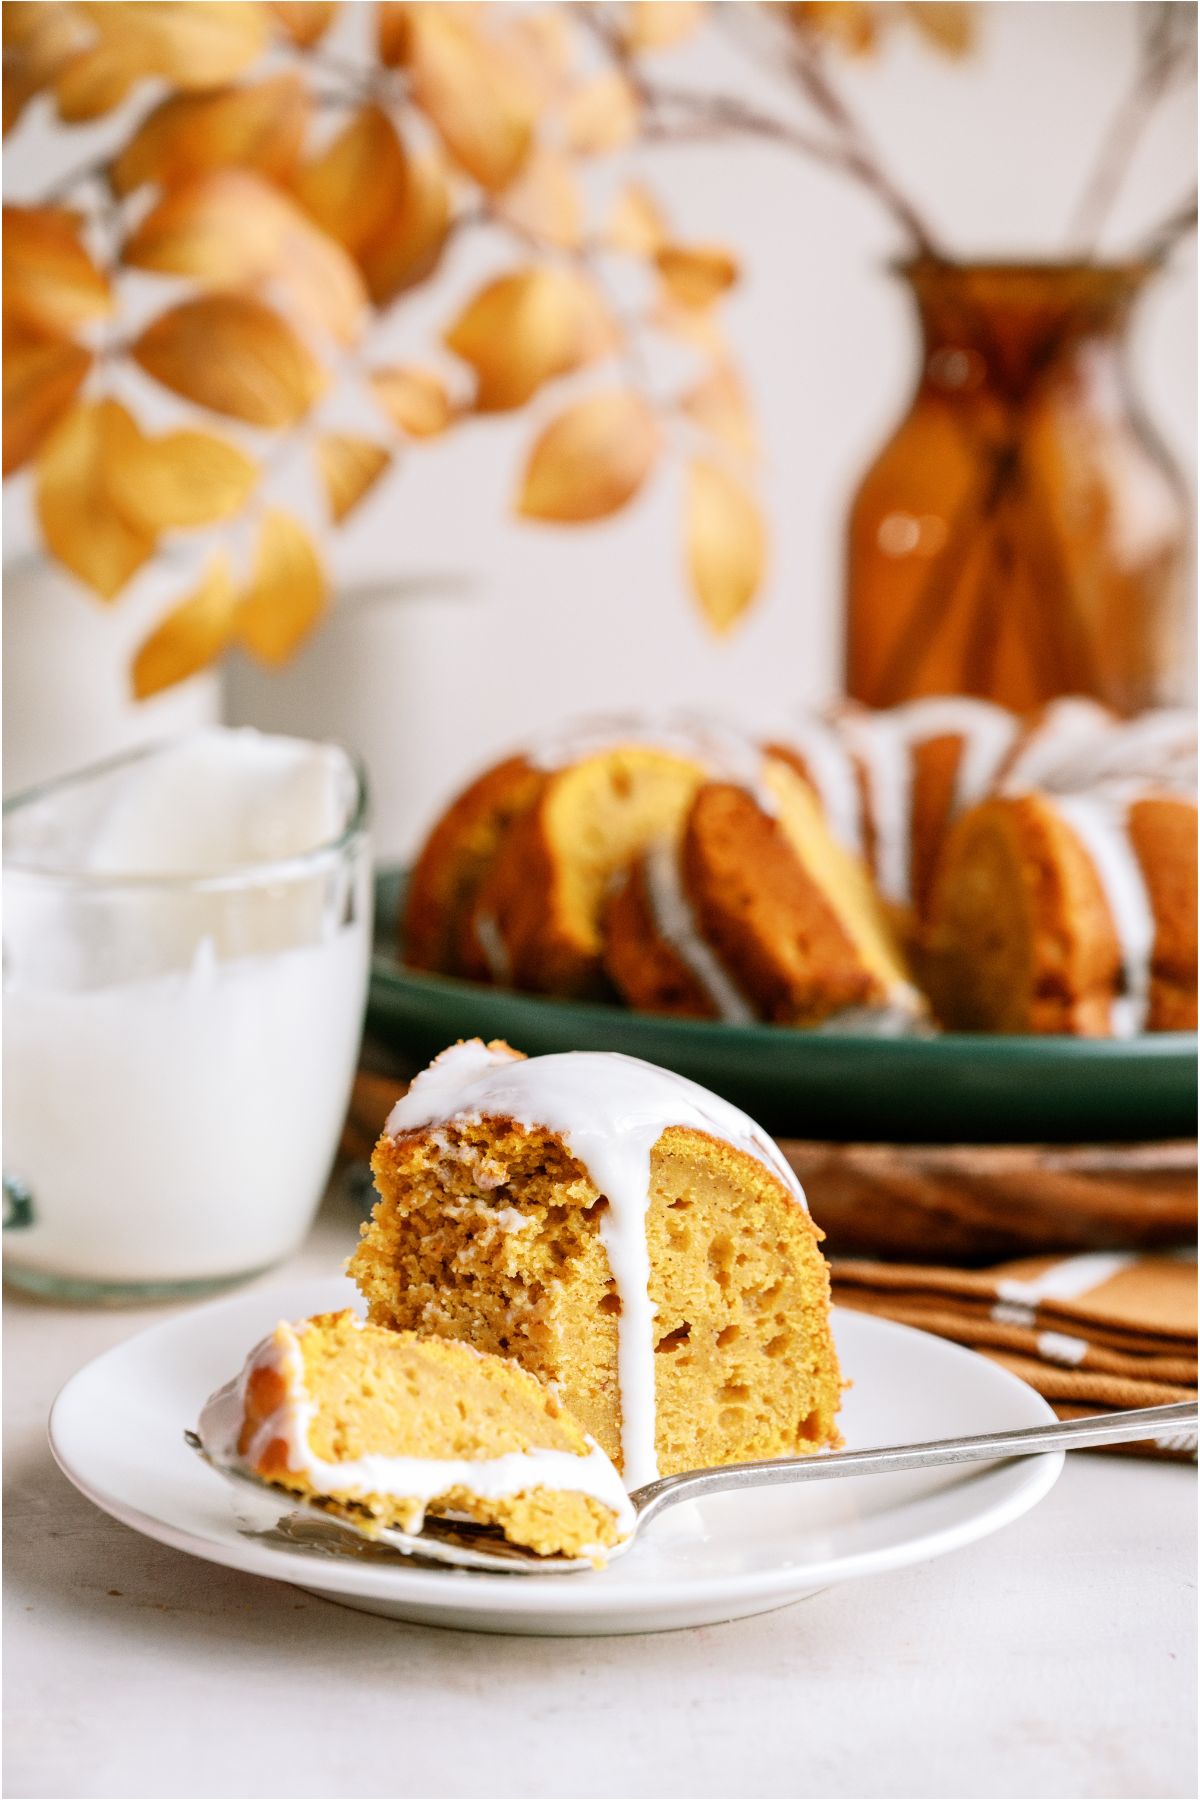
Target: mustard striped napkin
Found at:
1092, 1333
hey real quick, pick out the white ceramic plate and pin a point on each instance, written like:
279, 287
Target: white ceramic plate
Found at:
117, 1433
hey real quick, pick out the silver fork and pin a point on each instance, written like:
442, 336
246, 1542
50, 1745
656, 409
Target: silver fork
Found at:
460, 1543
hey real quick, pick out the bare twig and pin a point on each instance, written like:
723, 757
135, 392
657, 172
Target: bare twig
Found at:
1158, 245
678, 115
1166, 53
674, 113
859, 155
82, 175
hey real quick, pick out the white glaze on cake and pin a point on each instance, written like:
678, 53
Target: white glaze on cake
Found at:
675, 922
1158, 746
420, 1479
885, 742
1063, 739
880, 746
1078, 744
1100, 821
723, 751
987, 731
609, 1111
831, 773
495, 951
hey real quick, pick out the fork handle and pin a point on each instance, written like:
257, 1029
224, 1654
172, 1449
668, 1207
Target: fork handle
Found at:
1178, 1420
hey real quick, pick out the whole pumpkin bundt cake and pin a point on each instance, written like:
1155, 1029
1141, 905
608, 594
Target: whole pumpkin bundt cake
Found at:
673, 864
623, 1234
381, 1427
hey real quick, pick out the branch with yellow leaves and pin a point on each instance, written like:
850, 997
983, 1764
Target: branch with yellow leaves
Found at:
291, 258
797, 39
282, 253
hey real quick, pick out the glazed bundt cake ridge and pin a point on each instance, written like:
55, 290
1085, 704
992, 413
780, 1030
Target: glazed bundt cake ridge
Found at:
756, 912
1071, 912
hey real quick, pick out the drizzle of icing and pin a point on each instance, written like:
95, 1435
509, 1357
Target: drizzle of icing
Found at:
723, 751
884, 742
609, 1111
495, 951
830, 767
1101, 823
421, 1479
675, 922
877, 744
988, 733
1080, 746
1157, 746
1065, 739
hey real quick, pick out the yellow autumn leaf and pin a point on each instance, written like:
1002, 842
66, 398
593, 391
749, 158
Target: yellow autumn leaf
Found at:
349, 467
409, 245
719, 406
233, 355
726, 544
21, 21
543, 47
658, 24
591, 460
259, 127
393, 32
39, 40
524, 329
80, 521
545, 201
696, 275
698, 327
42, 375
190, 43
355, 186
96, 81
471, 94
232, 229
192, 635
947, 26
636, 223
178, 480
851, 25
601, 115
287, 592
50, 280
305, 21
416, 400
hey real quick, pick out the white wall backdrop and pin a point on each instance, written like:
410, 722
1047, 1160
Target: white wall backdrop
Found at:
556, 621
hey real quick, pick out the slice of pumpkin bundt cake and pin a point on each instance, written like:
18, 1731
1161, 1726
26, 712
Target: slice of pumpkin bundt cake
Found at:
380, 1427
625, 1235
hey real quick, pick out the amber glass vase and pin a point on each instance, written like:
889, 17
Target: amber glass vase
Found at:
1023, 534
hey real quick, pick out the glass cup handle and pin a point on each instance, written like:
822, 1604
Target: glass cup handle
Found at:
18, 1205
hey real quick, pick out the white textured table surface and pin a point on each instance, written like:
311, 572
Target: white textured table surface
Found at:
1054, 1659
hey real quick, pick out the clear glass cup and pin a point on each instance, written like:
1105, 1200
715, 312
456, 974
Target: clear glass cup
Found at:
178, 1048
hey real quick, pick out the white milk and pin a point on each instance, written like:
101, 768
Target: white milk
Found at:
182, 1009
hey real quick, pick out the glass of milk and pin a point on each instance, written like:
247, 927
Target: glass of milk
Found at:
186, 940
